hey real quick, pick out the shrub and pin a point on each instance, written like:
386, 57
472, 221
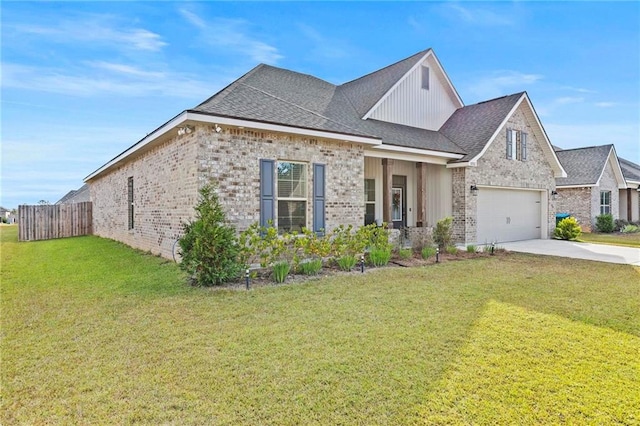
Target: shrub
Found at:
630, 229
604, 223
280, 271
567, 229
310, 266
263, 244
620, 224
472, 249
443, 232
379, 257
209, 247
347, 262
452, 249
427, 252
405, 253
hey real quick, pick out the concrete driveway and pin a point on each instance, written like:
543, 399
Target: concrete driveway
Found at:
598, 252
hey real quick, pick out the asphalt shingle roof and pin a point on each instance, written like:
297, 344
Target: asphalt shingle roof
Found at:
76, 195
630, 171
583, 165
472, 126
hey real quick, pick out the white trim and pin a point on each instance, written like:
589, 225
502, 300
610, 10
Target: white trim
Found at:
617, 170
408, 150
410, 154
574, 186
212, 119
517, 188
560, 172
463, 164
412, 69
206, 118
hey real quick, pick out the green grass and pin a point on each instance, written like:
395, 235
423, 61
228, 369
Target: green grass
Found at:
94, 332
615, 238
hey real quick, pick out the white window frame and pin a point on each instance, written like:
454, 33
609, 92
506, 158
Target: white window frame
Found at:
367, 201
301, 198
604, 206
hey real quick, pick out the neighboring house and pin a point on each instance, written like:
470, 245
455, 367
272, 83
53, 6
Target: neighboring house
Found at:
76, 196
593, 184
630, 197
5, 213
396, 146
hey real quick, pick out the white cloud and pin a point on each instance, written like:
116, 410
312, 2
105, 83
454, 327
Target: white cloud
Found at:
605, 104
94, 29
231, 35
323, 46
568, 100
116, 79
503, 82
479, 16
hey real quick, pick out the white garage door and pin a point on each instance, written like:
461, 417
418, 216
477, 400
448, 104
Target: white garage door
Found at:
508, 215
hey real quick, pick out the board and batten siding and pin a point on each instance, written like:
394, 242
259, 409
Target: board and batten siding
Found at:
412, 105
438, 187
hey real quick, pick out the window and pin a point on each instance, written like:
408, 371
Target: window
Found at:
369, 201
516, 145
292, 196
130, 200
425, 78
605, 202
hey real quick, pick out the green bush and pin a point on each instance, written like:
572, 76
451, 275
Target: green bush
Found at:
379, 256
346, 262
280, 271
443, 233
451, 249
604, 223
567, 229
310, 266
427, 252
472, 249
630, 229
209, 248
405, 253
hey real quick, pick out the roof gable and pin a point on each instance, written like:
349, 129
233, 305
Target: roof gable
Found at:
630, 170
585, 166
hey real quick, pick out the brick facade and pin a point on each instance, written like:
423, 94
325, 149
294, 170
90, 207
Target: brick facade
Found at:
494, 169
167, 178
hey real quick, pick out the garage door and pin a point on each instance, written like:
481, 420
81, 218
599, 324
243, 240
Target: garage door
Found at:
508, 215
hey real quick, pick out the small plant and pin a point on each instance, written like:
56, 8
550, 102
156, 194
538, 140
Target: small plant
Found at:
209, 248
379, 257
630, 229
443, 233
604, 223
567, 229
280, 271
472, 248
427, 252
452, 249
405, 253
310, 266
346, 262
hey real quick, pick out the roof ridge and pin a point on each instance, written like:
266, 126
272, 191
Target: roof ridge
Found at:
586, 147
498, 98
302, 108
422, 53
222, 93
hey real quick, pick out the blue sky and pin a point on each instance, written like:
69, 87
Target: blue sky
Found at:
81, 82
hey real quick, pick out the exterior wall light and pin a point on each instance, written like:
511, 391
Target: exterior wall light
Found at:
474, 190
554, 194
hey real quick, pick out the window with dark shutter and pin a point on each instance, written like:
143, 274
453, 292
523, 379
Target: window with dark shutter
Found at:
130, 201
267, 192
523, 146
319, 199
509, 144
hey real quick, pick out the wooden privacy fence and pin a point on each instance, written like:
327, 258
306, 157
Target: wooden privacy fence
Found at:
45, 222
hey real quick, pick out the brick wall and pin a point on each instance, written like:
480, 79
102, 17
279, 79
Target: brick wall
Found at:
165, 191
608, 182
167, 178
576, 202
494, 169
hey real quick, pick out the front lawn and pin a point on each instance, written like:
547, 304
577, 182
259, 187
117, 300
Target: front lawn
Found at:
94, 332
614, 238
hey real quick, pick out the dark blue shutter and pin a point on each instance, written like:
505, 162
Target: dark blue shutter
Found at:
318, 199
523, 146
267, 192
509, 145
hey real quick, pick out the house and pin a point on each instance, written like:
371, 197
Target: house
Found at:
630, 197
593, 184
397, 145
76, 196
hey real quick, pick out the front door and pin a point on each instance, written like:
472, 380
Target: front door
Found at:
399, 201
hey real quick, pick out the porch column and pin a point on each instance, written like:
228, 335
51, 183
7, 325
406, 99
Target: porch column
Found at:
629, 202
421, 214
387, 184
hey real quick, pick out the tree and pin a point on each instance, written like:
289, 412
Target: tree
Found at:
209, 247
